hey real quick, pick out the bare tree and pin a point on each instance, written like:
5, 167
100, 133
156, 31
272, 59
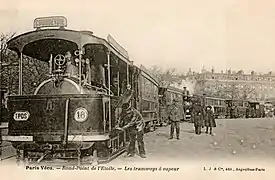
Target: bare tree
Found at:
8, 64
34, 71
247, 92
165, 77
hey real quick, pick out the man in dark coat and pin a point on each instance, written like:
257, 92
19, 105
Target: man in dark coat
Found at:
174, 119
132, 120
197, 116
209, 119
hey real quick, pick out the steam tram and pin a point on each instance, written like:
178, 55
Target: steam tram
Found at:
73, 113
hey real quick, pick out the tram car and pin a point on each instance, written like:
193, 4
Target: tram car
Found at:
236, 108
255, 110
72, 115
166, 97
146, 97
187, 108
218, 106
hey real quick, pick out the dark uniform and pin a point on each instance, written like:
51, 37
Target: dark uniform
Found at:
197, 116
209, 119
133, 120
174, 119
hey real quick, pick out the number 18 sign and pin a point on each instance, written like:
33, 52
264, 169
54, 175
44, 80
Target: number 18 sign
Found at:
81, 114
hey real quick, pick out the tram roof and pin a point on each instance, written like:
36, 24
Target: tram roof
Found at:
149, 75
80, 38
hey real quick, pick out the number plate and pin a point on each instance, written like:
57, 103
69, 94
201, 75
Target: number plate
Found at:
81, 114
21, 115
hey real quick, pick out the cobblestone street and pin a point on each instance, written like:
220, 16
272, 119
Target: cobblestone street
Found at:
240, 139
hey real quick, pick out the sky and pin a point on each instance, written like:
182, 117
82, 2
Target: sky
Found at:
181, 34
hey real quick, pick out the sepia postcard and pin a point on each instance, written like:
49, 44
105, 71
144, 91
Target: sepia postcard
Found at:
101, 89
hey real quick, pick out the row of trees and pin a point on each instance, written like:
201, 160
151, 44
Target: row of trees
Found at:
34, 72
199, 86
230, 91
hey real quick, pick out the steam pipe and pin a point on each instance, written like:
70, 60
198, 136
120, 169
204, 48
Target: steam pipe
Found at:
66, 122
109, 87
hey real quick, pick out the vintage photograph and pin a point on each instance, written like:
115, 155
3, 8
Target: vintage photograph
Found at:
113, 85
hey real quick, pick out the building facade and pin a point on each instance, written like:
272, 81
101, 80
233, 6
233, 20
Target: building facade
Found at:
233, 85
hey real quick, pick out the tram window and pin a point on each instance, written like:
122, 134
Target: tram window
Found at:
95, 57
71, 68
145, 106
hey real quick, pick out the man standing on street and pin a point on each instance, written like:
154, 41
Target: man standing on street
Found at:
132, 120
174, 119
197, 116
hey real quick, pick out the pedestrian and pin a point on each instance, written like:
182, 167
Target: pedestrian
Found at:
197, 116
174, 119
132, 120
209, 120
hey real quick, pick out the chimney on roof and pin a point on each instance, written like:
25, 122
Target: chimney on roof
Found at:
213, 70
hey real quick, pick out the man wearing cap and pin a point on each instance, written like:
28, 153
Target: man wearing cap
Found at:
174, 119
197, 116
132, 120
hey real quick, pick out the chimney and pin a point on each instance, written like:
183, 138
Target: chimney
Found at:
212, 70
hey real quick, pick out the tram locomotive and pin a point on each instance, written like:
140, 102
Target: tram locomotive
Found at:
72, 115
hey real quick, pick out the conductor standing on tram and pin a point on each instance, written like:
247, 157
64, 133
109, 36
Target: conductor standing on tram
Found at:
133, 120
71, 68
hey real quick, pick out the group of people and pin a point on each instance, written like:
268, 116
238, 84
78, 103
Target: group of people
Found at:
202, 117
132, 120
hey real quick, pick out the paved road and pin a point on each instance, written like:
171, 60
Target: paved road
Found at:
240, 139
248, 139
